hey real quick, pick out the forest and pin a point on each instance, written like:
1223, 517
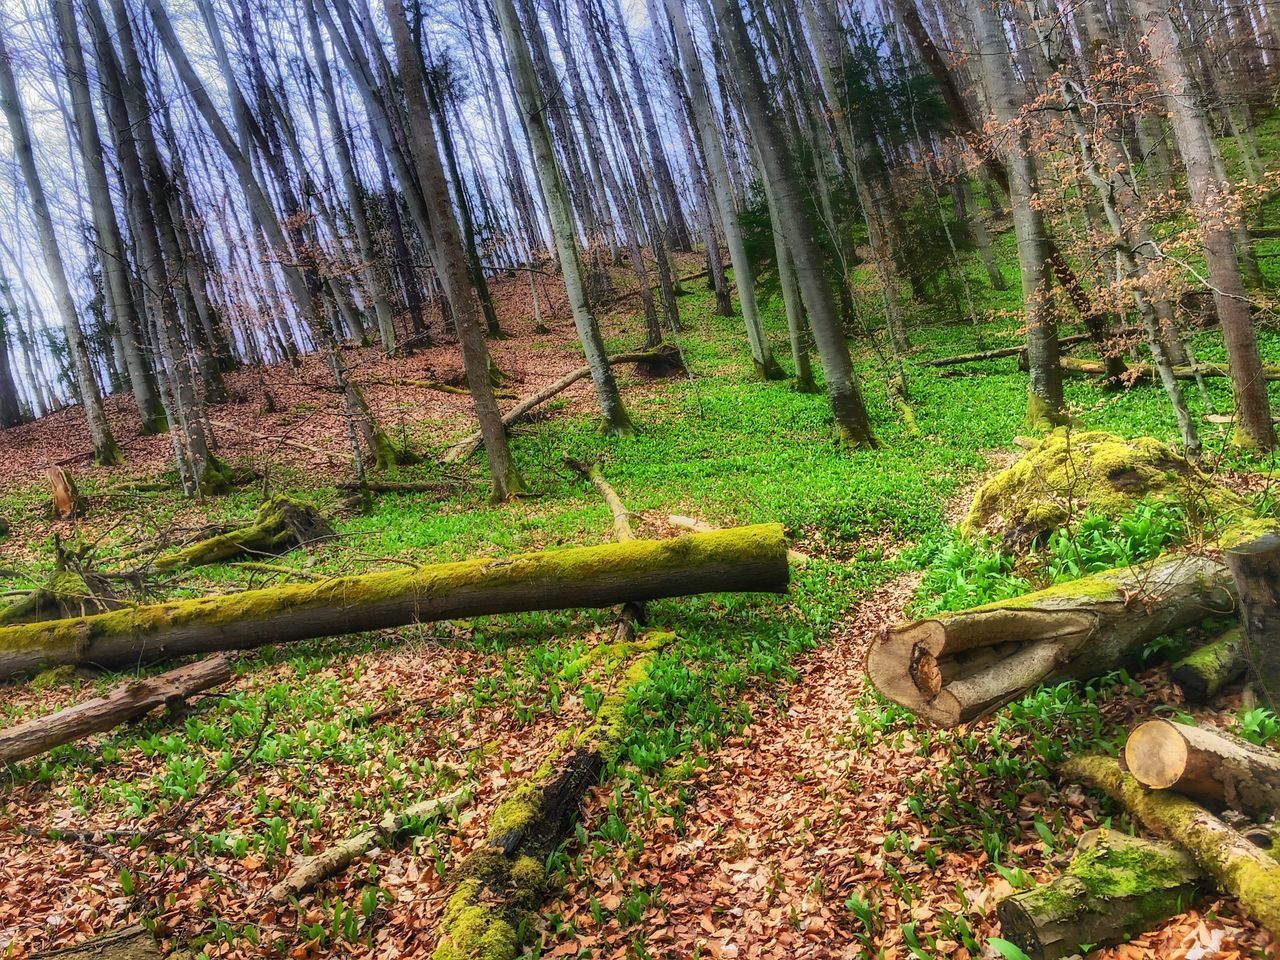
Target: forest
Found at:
493, 479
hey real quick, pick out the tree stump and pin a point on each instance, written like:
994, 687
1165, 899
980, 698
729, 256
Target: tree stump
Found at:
67, 502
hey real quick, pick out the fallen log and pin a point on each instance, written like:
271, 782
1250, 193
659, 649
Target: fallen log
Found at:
317, 869
1209, 668
471, 443
1115, 887
1238, 866
956, 667
795, 557
1212, 767
65, 594
129, 943
745, 559
1145, 371
280, 524
1255, 567
130, 700
438, 387
1063, 342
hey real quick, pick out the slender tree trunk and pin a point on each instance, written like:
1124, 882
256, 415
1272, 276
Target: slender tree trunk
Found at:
799, 233
1209, 195
104, 444
616, 420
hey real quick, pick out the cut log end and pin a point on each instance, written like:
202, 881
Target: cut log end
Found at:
1156, 754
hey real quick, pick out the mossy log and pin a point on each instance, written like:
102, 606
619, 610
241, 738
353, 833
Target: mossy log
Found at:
130, 943
280, 524
956, 667
1239, 867
659, 357
1145, 371
1115, 887
65, 594
745, 559
1206, 670
499, 886
315, 870
1255, 566
1015, 351
129, 701
1212, 767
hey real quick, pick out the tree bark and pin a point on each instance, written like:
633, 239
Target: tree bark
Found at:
1212, 767
1082, 906
956, 667
747, 559
1207, 669
129, 701
1255, 566
1239, 867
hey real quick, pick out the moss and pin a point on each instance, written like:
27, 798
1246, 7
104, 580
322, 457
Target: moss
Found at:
216, 478
56, 677
1041, 415
528, 874
1245, 531
473, 930
1070, 473
1121, 870
517, 812
278, 525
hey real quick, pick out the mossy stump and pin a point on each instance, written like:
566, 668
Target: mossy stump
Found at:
1116, 886
280, 524
1069, 473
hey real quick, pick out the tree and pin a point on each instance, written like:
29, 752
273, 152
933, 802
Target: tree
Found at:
105, 450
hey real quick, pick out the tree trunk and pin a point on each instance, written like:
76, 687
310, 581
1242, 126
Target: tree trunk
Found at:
1239, 867
533, 109
1082, 908
721, 187
1211, 197
105, 450
1255, 566
747, 559
1208, 669
1210, 766
129, 701
450, 258
788, 192
955, 667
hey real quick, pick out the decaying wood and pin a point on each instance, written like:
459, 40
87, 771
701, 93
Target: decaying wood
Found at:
1210, 766
746, 559
471, 443
130, 700
954, 667
1238, 866
1015, 351
632, 614
67, 502
439, 387
1117, 886
1145, 371
1209, 668
131, 943
65, 594
317, 869
1255, 566
280, 524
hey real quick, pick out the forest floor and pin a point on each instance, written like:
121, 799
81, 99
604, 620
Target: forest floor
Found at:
767, 803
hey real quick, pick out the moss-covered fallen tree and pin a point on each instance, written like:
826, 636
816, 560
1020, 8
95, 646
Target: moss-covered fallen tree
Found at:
65, 593
954, 667
744, 559
1239, 867
1209, 668
280, 524
1116, 886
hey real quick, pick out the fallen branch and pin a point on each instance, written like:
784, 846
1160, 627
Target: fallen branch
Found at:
471, 443
1208, 669
1116, 886
280, 524
317, 869
1210, 766
746, 559
1239, 867
130, 700
1145, 371
955, 667
1063, 342
283, 441
438, 387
